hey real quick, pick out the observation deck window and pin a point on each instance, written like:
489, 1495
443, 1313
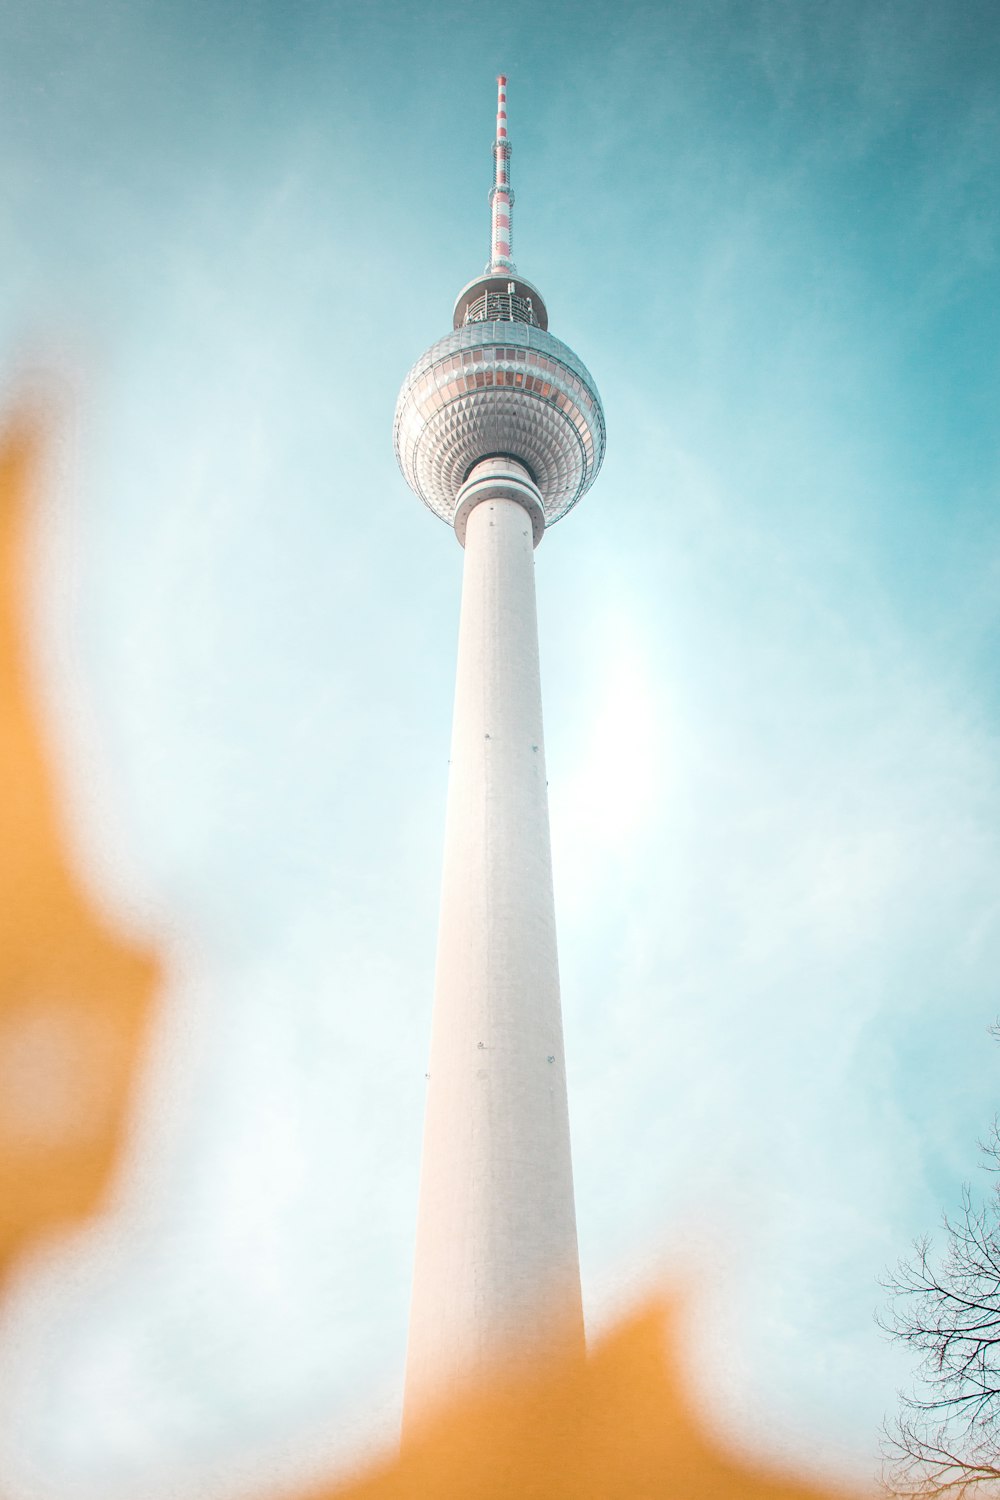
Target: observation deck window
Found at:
501, 307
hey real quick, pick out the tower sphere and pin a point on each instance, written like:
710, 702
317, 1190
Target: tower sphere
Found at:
499, 386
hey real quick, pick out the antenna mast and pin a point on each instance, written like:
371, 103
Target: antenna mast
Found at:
501, 194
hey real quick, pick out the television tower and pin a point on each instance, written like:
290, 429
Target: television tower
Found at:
499, 430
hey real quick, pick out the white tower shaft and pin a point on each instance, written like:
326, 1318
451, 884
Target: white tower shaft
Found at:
496, 1261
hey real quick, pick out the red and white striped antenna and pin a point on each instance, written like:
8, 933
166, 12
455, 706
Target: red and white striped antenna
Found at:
501, 193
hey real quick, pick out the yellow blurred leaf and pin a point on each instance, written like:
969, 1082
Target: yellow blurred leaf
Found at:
74, 1005
619, 1427
74, 997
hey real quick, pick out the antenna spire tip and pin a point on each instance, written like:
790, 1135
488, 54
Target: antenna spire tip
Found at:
501, 196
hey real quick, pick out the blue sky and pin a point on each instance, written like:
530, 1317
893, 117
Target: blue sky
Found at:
768, 648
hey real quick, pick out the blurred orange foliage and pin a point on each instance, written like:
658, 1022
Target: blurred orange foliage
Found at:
74, 997
620, 1426
74, 1004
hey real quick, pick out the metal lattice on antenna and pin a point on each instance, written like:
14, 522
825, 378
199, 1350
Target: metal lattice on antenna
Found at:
501, 193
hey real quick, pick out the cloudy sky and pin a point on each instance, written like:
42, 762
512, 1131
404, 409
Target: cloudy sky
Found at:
770, 229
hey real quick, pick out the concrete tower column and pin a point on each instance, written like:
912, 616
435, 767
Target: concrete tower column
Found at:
496, 1259
500, 430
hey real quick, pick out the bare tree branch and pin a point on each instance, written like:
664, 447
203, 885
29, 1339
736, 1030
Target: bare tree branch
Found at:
945, 1442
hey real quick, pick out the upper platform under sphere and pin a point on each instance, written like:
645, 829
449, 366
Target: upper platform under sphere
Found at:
499, 388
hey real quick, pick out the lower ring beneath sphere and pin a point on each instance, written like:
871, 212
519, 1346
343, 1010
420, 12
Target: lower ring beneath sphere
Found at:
499, 478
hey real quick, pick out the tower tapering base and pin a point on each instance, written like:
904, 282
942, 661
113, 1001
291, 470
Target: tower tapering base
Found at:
497, 1270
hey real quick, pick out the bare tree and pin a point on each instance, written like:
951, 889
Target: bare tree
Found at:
945, 1442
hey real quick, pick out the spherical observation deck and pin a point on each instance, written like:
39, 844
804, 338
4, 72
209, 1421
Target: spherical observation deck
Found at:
499, 386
